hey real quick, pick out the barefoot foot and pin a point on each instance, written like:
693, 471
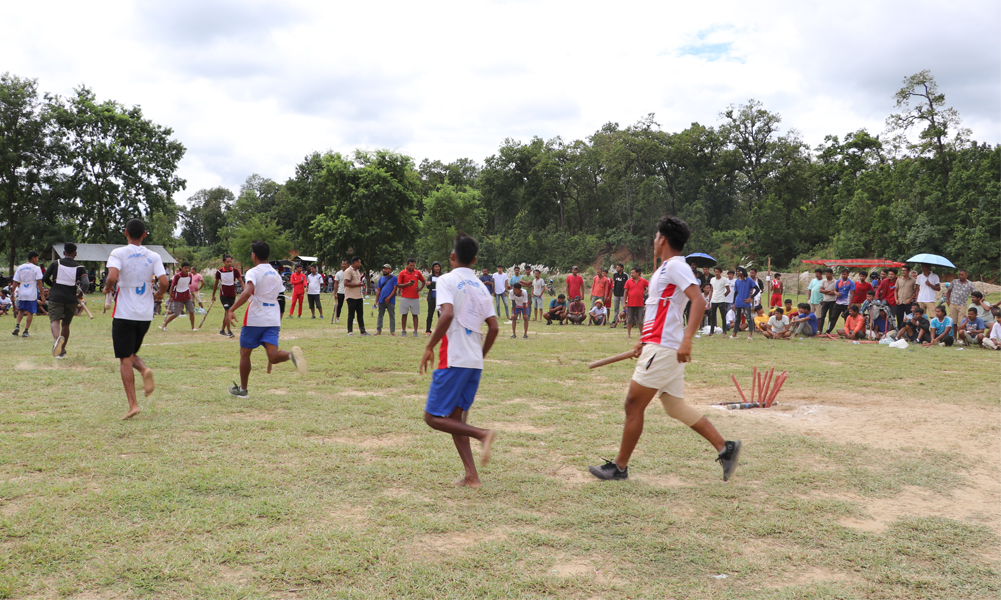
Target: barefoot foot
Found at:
269, 367
148, 385
131, 413
487, 443
473, 482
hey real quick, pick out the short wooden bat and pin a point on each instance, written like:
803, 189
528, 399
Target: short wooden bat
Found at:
611, 359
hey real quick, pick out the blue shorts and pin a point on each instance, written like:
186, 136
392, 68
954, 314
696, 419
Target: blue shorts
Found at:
521, 310
451, 388
255, 337
30, 306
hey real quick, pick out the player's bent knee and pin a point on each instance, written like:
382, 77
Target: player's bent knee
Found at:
678, 409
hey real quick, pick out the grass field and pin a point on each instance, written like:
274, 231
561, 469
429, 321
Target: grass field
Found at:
875, 477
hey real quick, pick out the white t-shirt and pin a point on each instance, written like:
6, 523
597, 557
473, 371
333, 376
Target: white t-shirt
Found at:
27, 275
719, 288
730, 317
5, 301
733, 290
137, 267
313, 283
500, 283
262, 310
521, 300
598, 311
925, 293
665, 306
996, 332
472, 305
778, 325
538, 286
339, 278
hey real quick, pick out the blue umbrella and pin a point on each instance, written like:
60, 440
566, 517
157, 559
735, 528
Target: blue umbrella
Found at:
932, 259
701, 259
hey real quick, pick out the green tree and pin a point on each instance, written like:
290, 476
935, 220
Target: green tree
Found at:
122, 164
923, 107
204, 222
254, 229
447, 211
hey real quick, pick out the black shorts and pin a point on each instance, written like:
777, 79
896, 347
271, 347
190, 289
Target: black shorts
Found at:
227, 301
314, 301
127, 336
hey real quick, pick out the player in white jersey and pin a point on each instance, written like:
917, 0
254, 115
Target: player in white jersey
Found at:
28, 285
263, 320
133, 268
464, 304
663, 350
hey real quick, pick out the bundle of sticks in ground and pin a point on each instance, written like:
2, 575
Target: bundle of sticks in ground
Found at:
764, 384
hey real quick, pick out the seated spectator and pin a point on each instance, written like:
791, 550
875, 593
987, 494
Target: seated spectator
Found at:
43, 302
598, 313
760, 319
620, 318
731, 318
5, 302
993, 341
854, 325
557, 310
915, 328
983, 306
941, 328
787, 310
971, 329
778, 326
576, 311
881, 327
805, 323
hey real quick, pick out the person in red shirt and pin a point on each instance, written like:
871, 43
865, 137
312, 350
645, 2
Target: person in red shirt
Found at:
861, 288
575, 284
777, 289
634, 300
854, 325
599, 287
410, 283
887, 290
298, 281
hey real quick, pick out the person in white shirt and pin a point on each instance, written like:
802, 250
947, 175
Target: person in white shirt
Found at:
313, 282
28, 286
134, 268
500, 291
339, 279
519, 306
465, 305
538, 290
5, 302
663, 350
263, 320
598, 313
928, 286
993, 341
778, 326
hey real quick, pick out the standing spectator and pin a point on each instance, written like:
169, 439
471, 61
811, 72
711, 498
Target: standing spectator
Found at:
982, 306
758, 284
619, 279
816, 297
500, 292
607, 300
744, 293
598, 315
314, 283
843, 288
575, 284
906, 293
432, 286
599, 287
411, 282
777, 290
721, 289
635, 301
487, 279
387, 299
928, 287
829, 293
576, 311
886, 291
971, 329
942, 328
228, 276
339, 279
863, 286
519, 307
538, 291
557, 310
196, 284
298, 281
28, 287
516, 278
957, 296
354, 293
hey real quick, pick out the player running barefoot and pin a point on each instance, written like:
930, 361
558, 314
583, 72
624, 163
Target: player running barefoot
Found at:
263, 319
180, 297
464, 304
133, 268
228, 277
663, 350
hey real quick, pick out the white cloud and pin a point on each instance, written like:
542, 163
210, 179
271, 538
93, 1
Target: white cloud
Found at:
253, 87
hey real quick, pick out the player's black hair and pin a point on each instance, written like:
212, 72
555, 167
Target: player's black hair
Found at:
620, 265
777, 275
638, 270
675, 230
977, 294
185, 264
225, 256
718, 268
918, 309
516, 286
261, 249
730, 272
818, 270
465, 248
829, 270
411, 260
853, 308
758, 307
135, 228
561, 296
843, 271
894, 271
69, 248
870, 292
804, 306
779, 310
355, 259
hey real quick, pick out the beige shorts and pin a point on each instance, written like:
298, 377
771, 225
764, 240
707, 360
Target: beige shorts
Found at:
658, 368
196, 296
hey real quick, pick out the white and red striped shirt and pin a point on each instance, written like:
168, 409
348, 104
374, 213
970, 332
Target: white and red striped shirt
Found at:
665, 306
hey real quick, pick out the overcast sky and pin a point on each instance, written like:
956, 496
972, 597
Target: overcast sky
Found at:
254, 86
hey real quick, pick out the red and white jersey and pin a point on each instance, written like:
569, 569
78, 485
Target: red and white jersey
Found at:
182, 286
472, 304
665, 306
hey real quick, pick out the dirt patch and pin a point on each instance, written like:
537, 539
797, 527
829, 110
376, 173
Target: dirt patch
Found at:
589, 567
571, 475
457, 541
255, 415
971, 504
670, 481
811, 576
25, 365
235, 575
518, 428
367, 443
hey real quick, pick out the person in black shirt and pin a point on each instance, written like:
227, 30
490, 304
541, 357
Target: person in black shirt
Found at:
619, 279
62, 277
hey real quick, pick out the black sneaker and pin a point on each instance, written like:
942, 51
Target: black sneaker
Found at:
62, 355
549, 322
17, 331
230, 334
25, 334
222, 332
514, 336
236, 391
728, 459
609, 470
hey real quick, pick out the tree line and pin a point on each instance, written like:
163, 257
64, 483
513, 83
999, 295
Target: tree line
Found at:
749, 188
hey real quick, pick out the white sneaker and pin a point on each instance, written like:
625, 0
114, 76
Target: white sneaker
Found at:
195, 329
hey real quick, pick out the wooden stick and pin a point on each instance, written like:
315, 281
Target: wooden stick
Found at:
87, 310
754, 378
766, 384
778, 386
207, 313
739, 406
610, 360
740, 391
